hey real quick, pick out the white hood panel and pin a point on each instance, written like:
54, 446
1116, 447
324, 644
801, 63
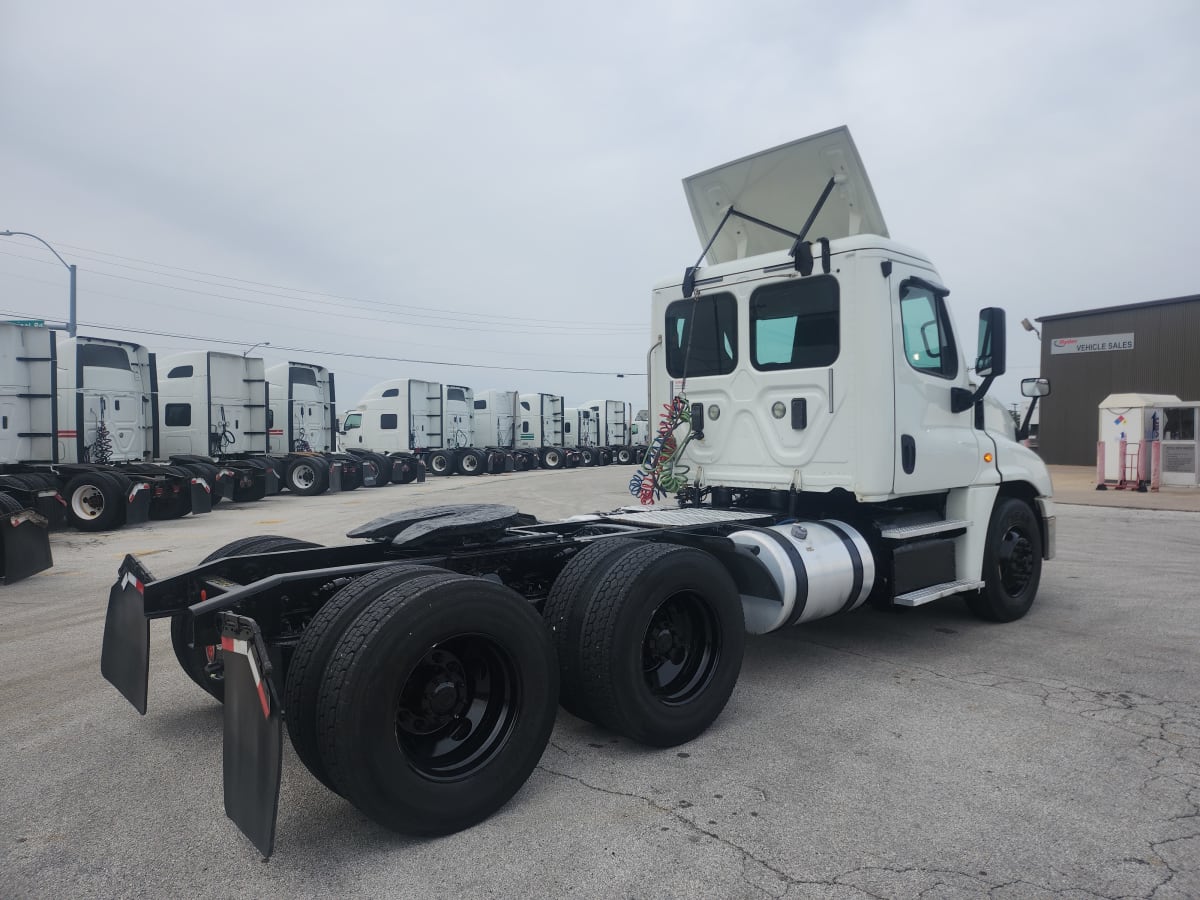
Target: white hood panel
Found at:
781, 186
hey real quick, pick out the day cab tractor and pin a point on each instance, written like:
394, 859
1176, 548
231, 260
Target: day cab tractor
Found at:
824, 443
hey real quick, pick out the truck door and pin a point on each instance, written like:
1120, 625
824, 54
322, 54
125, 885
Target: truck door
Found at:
935, 449
425, 415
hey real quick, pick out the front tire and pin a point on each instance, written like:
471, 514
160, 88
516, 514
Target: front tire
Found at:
438, 703
1012, 563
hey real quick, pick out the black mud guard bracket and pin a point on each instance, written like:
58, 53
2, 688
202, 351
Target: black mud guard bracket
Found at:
252, 751
200, 495
125, 652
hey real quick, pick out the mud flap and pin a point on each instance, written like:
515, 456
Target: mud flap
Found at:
335, 477
201, 496
54, 508
26, 545
272, 482
137, 503
253, 744
125, 653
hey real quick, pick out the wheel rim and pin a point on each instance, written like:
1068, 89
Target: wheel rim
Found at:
458, 707
681, 648
586, 457
304, 476
439, 463
1016, 559
552, 458
470, 463
88, 502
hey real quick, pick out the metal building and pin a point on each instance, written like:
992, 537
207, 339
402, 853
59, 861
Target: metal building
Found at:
1149, 348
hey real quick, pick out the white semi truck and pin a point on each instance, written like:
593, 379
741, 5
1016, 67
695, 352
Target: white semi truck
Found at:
580, 435
301, 425
401, 419
540, 430
496, 416
93, 432
612, 426
639, 433
212, 414
825, 448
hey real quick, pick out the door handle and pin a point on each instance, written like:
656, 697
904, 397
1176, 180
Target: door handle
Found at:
799, 413
908, 453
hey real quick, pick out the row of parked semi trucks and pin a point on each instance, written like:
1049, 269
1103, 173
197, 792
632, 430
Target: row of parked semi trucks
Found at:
98, 433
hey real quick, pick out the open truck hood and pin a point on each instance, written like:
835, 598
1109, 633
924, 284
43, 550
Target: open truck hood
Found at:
781, 186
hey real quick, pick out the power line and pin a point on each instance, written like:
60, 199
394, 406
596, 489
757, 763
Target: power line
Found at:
340, 354
157, 303
262, 284
459, 325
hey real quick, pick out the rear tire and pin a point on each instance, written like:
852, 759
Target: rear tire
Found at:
563, 614
1012, 563
437, 704
471, 462
308, 476
195, 660
661, 644
624, 456
93, 501
552, 458
440, 463
404, 470
315, 648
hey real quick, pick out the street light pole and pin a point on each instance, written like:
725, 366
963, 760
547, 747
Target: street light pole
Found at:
259, 344
70, 268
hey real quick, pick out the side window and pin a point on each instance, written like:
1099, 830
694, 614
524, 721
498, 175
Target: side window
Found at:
795, 324
270, 417
702, 336
178, 415
391, 392
456, 395
928, 341
525, 428
481, 404
388, 421
180, 372
353, 420
566, 427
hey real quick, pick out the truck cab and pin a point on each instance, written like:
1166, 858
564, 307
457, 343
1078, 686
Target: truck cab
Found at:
827, 374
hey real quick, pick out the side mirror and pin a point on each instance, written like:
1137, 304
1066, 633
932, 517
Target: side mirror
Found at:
990, 361
1035, 387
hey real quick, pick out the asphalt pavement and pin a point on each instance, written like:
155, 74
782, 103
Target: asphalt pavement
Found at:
917, 754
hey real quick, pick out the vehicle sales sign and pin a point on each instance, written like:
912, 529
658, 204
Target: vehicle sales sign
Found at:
1097, 343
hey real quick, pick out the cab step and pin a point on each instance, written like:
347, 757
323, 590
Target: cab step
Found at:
935, 592
899, 532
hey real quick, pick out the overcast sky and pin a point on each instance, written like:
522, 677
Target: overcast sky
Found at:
499, 184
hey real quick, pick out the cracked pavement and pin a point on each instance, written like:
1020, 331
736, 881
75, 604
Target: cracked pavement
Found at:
923, 754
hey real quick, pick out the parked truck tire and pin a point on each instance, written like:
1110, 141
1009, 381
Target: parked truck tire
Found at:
470, 462
624, 456
195, 660
661, 644
308, 476
1012, 563
93, 501
440, 463
315, 648
552, 458
563, 614
375, 465
437, 704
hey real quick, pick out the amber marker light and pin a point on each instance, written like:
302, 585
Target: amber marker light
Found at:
987, 457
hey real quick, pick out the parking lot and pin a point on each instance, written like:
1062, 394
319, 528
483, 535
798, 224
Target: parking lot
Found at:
870, 755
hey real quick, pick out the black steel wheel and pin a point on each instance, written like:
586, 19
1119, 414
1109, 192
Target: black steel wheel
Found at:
315, 648
202, 663
1012, 563
661, 644
438, 703
588, 456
